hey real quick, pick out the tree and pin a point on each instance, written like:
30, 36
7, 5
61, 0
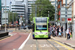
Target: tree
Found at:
12, 16
41, 8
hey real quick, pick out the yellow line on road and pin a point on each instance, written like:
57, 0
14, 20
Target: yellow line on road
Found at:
69, 48
5, 38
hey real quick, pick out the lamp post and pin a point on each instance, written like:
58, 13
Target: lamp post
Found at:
55, 10
48, 13
66, 14
5, 15
35, 10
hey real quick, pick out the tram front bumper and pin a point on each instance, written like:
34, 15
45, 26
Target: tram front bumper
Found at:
41, 36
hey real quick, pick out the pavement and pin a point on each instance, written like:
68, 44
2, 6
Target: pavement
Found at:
70, 42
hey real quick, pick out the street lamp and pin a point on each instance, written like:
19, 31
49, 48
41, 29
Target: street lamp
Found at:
48, 13
66, 14
5, 15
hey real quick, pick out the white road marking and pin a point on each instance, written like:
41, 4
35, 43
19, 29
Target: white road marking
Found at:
42, 45
45, 45
33, 45
23, 44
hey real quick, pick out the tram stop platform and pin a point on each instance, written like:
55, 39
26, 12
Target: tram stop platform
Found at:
70, 42
3, 33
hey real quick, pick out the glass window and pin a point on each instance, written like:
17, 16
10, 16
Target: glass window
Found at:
62, 16
41, 27
41, 20
69, 12
69, 15
62, 12
31, 2
41, 23
62, 8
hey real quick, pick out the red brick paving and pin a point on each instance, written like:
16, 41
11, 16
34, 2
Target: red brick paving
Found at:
13, 42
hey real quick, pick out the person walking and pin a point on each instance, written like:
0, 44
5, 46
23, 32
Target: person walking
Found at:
59, 32
62, 31
67, 32
56, 31
51, 30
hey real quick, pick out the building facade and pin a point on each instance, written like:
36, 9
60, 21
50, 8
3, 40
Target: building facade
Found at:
3, 8
61, 10
29, 3
20, 9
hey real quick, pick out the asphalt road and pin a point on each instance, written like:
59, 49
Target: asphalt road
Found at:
44, 44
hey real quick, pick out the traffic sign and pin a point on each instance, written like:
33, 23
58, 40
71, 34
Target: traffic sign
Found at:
69, 19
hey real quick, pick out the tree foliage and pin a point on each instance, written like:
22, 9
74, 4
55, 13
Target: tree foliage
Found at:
42, 8
12, 16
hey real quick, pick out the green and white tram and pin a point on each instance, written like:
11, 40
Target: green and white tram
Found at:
40, 27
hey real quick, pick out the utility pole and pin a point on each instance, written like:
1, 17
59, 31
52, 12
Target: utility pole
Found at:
55, 12
35, 10
5, 15
73, 27
66, 14
48, 13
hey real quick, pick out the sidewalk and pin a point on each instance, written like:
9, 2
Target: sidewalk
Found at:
63, 40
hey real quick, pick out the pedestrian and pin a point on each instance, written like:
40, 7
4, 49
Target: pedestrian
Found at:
67, 32
51, 30
56, 31
59, 32
62, 31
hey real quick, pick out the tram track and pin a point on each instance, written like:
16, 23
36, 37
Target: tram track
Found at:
37, 45
50, 44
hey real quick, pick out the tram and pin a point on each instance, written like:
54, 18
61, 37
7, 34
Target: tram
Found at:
40, 27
